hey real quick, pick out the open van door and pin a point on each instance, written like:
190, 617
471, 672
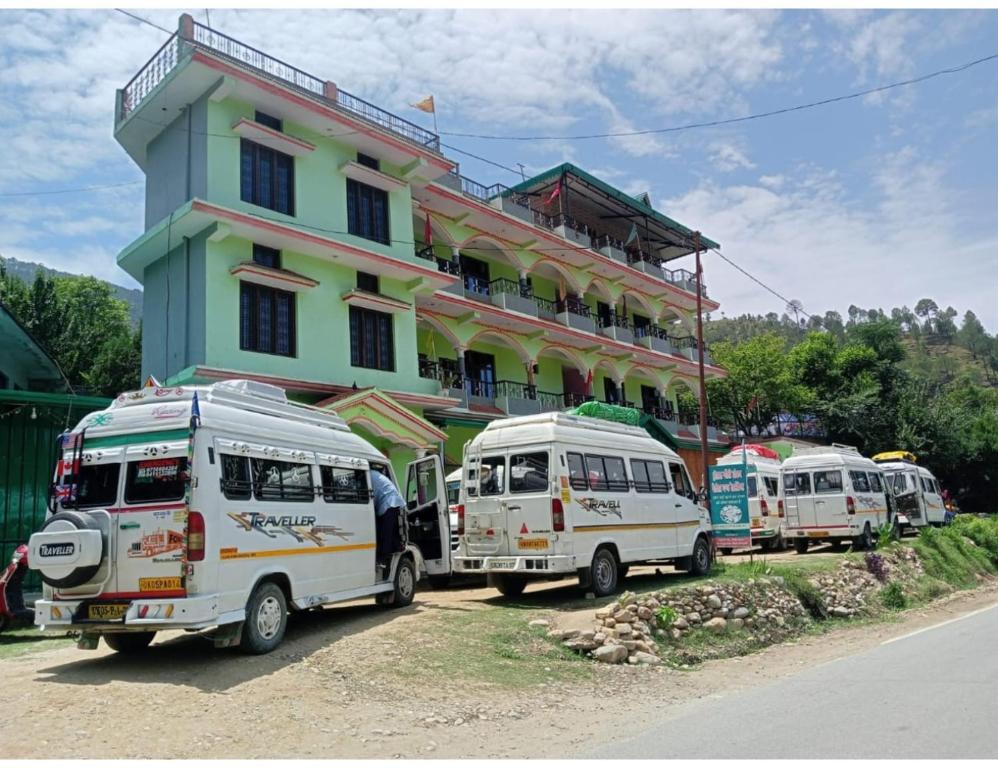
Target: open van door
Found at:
429, 520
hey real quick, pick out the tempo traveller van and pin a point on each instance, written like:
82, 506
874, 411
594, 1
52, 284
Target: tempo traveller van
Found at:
916, 490
223, 507
765, 492
555, 494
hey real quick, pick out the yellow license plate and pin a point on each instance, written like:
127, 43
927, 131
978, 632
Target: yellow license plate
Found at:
159, 583
817, 534
756, 522
532, 544
111, 612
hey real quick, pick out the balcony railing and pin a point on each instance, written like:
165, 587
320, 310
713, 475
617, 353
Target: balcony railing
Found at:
516, 389
159, 66
511, 287
574, 306
612, 320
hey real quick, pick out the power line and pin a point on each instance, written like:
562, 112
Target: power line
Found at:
731, 120
483, 159
755, 279
71, 191
145, 21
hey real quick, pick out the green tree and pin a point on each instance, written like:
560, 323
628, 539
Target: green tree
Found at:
972, 336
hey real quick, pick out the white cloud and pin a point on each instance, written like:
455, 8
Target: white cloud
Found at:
727, 156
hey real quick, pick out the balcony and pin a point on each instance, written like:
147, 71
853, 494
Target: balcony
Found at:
574, 313
688, 348
615, 327
654, 338
684, 279
193, 38
512, 296
645, 262
572, 230
611, 248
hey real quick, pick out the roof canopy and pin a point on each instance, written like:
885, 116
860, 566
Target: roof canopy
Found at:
375, 412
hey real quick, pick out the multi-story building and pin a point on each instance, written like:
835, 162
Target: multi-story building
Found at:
300, 235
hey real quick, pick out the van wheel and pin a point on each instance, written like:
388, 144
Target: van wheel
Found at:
865, 540
700, 559
800, 546
128, 642
510, 586
604, 572
405, 583
266, 619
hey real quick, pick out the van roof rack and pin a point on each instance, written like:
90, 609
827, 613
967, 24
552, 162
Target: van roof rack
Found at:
849, 450
269, 400
561, 418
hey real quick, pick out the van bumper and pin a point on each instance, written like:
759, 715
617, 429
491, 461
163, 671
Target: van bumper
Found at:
163, 613
537, 565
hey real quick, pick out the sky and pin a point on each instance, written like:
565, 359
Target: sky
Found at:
877, 202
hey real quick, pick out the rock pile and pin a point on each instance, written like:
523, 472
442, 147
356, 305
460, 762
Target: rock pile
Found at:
849, 590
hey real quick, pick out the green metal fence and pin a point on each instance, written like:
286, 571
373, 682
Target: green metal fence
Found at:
30, 422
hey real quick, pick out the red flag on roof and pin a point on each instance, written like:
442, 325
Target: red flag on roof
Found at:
427, 231
554, 193
759, 450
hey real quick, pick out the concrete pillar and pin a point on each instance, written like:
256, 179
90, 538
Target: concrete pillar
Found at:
524, 284
329, 90
185, 28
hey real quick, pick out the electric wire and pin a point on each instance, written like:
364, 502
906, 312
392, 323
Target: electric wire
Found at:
144, 21
95, 188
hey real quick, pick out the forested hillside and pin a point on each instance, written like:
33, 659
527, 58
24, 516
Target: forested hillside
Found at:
908, 379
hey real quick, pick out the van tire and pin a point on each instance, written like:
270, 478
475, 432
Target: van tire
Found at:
700, 559
604, 572
404, 585
266, 619
128, 642
800, 545
509, 586
864, 541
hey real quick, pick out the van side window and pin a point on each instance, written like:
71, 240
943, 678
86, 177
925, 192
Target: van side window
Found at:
492, 476
275, 480
528, 472
236, 485
616, 474
577, 472
344, 486
926, 486
152, 480
797, 484
596, 473
875, 485
860, 483
772, 486
678, 479
829, 481
753, 486
96, 485
649, 476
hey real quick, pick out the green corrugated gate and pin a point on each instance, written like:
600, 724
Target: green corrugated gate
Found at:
30, 422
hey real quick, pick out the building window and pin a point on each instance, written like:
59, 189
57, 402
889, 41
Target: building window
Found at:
367, 160
266, 320
371, 342
266, 257
367, 212
269, 120
267, 177
367, 282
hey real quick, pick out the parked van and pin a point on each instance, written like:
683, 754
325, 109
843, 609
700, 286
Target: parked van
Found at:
833, 494
916, 490
765, 492
223, 506
555, 494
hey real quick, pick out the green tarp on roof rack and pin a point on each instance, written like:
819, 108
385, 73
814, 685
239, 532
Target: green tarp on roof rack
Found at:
617, 413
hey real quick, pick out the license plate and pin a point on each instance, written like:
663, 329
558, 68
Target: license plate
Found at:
817, 534
159, 583
756, 522
510, 564
107, 612
532, 544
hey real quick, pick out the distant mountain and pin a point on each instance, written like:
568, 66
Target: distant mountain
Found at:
26, 270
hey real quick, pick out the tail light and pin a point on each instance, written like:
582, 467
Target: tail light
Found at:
779, 508
460, 519
850, 505
557, 515
195, 537
764, 507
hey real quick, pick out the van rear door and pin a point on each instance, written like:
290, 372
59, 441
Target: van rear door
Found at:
799, 501
429, 518
484, 509
527, 503
150, 521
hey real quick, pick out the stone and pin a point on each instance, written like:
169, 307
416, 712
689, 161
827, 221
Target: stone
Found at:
681, 623
604, 612
612, 608
539, 623
741, 612
717, 625
693, 617
838, 610
623, 630
720, 614
675, 634
610, 654
624, 617
641, 657
599, 637
580, 644
587, 634
644, 613
609, 623
780, 621
736, 623
630, 645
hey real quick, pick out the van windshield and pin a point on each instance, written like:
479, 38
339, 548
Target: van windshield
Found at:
453, 491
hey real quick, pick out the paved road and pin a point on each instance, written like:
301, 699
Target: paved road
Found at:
933, 694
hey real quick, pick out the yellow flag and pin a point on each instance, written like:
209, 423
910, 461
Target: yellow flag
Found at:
426, 105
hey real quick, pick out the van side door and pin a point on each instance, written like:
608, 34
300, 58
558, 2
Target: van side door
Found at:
684, 505
429, 518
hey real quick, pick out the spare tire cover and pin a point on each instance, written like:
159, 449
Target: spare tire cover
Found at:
69, 520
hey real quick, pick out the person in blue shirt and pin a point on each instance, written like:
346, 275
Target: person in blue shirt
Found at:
388, 506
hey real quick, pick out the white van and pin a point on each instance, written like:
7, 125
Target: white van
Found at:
833, 494
916, 491
765, 492
555, 494
222, 506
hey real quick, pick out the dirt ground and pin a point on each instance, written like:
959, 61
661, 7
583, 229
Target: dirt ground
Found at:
359, 681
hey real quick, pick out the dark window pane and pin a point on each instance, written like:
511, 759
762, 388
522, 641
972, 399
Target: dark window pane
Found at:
235, 476
367, 282
528, 472
95, 486
246, 176
284, 314
267, 257
639, 471
275, 480
156, 480
265, 320
284, 200
577, 472
265, 178
245, 316
344, 486
269, 121
370, 162
355, 334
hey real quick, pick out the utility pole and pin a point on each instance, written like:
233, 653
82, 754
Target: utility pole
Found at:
701, 349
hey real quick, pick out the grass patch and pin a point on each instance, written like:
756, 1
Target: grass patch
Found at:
492, 646
893, 597
946, 556
700, 645
21, 642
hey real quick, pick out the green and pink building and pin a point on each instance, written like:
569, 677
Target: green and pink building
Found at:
299, 235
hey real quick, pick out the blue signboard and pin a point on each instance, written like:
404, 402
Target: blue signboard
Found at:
729, 508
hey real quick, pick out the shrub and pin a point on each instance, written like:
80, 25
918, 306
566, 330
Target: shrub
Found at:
666, 615
876, 565
885, 536
893, 597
